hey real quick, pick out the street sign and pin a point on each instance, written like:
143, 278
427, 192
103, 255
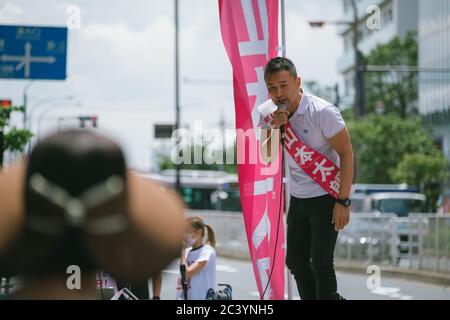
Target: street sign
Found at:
28, 52
163, 131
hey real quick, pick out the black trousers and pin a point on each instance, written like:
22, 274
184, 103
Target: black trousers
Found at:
311, 239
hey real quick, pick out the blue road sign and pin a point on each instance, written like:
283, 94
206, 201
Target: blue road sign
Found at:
28, 52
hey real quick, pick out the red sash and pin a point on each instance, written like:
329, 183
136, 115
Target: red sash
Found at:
321, 169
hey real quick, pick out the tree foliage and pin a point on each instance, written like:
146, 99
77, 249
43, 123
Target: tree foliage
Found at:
425, 171
381, 142
397, 91
14, 139
165, 162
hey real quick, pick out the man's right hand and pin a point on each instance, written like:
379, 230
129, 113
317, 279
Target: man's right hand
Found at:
280, 117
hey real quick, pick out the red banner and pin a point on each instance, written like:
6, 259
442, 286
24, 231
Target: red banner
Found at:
250, 35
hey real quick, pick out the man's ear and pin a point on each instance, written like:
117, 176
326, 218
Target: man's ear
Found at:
298, 82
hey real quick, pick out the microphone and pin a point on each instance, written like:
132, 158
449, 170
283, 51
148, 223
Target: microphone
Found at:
282, 106
184, 283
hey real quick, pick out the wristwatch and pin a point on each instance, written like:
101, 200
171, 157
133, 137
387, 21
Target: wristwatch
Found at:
346, 202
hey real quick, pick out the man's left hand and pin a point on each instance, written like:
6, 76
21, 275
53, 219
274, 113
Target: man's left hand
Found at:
341, 216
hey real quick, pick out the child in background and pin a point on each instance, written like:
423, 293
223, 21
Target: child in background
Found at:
199, 259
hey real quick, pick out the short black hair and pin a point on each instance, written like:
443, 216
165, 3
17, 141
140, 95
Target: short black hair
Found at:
279, 64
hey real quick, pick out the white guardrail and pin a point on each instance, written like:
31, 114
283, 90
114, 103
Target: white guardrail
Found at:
419, 241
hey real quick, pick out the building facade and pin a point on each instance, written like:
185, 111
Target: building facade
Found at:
379, 21
434, 63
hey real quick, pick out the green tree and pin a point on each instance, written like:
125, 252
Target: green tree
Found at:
165, 162
14, 139
381, 142
397, 91
428, 172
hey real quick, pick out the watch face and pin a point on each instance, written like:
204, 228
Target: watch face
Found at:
345, 202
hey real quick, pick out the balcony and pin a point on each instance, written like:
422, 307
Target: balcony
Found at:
347, 60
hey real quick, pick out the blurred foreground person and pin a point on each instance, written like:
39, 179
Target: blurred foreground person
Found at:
74, 209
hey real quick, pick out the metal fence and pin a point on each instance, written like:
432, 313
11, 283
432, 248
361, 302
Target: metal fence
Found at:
418, 242
369, 238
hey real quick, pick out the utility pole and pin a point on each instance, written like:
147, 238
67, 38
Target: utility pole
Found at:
222, 130
359, 94
337, 97
359, 76
5, 106
177, 97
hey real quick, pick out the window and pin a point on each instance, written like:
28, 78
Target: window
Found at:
197, 198
387, 15
346, 5
400, 206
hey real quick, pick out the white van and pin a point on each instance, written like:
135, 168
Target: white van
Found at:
400, 203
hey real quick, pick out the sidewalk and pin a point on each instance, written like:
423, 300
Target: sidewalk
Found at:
360, 267
440, 278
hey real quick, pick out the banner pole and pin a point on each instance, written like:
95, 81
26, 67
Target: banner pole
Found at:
283, 30
290, 288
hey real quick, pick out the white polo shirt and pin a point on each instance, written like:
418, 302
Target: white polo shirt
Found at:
314, 121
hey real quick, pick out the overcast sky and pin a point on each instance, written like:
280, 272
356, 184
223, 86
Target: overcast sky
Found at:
121, 62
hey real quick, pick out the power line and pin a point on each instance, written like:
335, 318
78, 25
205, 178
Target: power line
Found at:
403, 68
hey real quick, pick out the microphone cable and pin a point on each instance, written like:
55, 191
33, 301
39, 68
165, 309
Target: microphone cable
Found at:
279, 215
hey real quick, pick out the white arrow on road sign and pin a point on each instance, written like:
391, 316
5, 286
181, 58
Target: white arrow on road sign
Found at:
27, 60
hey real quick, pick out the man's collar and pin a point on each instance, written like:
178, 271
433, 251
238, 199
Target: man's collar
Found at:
303, 104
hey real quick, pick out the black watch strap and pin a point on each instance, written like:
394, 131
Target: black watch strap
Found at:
346, 202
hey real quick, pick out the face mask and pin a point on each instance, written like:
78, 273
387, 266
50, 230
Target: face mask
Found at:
190, 240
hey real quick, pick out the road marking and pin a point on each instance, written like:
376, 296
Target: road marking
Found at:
226, 268
391, 292
256, 294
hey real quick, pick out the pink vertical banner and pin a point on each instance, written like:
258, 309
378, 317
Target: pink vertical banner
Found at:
250, 35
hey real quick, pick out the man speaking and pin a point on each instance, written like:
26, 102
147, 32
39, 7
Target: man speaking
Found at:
320, 164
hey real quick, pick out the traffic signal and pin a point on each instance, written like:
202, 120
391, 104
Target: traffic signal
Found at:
92, 119
5, 103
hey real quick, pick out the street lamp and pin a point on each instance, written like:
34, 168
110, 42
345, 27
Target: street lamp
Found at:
359, 69
25, 102
42, 103
45, 112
